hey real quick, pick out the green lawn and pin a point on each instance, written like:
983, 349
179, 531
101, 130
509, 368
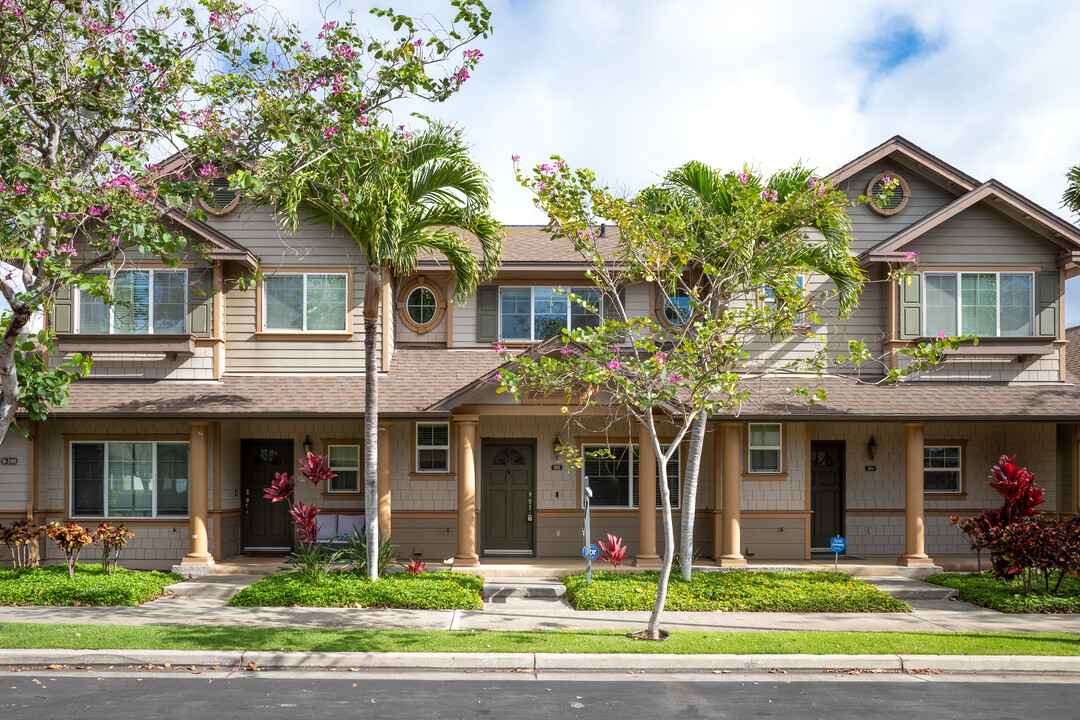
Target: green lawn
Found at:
50, 585
425, 591
821, 591
203, 637
983, 589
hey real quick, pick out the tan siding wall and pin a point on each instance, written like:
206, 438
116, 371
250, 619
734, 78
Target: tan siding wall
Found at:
982, 368
157, 366
787, 494
14, 478
773, 538
980, 236
436, 334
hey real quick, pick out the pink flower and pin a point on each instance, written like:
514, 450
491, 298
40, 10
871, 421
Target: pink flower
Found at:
66, 250
461, 75
565, 350
114, 240
363, 119
911, 256
541, 185
659, 358
887, 180
515, 158
331, 131
40, 254
473, 54
612, 364
941, 336
499, 348
769, 195
418, 42
674, 378
743, 177
498, 376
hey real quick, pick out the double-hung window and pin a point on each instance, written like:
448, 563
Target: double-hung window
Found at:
537, 313
129, 479
765, 447
987, 304
942, 467
311, 302
768, 299
614, 479
148, 301
432, 447
345, 463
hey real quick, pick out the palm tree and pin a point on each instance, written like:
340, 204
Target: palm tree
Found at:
707, 199
399, 197
1071, 197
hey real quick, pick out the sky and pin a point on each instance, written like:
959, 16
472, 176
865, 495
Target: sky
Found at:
634, 88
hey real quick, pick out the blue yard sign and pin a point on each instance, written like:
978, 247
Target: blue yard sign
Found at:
837, 545
590, 552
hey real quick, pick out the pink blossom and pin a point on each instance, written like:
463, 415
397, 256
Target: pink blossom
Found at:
20, 189
743, 177
499, 348
566, 350
498, 376
66, 250
331, 131
659, 358
674, 378
418, 42
887, 180
541, 185
94, 212
770, 195
40, 254
911, 256
115, 240
612, 364
363, 119
461, 75
473, 54
515, 157
941, 335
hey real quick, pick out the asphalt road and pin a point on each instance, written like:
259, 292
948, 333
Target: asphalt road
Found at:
89, 694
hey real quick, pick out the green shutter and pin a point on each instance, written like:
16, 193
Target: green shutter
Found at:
1046, 306
911, 306
63, 314
487, 313
200, 302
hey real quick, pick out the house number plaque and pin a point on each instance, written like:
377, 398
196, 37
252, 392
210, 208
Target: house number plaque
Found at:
9, 461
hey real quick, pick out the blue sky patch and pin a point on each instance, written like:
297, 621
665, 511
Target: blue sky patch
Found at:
896, 43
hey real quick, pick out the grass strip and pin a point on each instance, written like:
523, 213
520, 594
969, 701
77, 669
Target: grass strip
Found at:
202, 637
986, 591
442, 590
50, 585
748, 591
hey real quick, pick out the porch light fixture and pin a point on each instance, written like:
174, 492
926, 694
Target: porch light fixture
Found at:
307, 445
871, 448
556, 445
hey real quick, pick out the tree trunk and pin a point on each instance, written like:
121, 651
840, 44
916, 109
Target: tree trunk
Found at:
669, 535
9, 376
372, 295
689, 494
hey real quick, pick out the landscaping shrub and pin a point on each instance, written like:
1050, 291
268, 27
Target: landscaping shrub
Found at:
424, 591
20, 538
112, 540
1009, 596
355, 553
312, 559
1038, 545
820, 591
87, 585
614, 551
71, 538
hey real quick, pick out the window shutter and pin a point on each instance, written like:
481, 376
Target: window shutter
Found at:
1046, 305
63, 314
610, 309
911, 307
200, 302
487, 313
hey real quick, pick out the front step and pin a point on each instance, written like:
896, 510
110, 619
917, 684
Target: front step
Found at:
498, 589
220, 587
911, 589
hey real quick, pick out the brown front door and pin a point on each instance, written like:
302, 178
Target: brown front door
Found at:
826, 492
264, 525
509, 489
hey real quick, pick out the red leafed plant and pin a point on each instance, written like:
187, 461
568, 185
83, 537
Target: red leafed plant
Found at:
112, 540
316, 468
415, 567
20, 538
71, 538
614, 550
312, 560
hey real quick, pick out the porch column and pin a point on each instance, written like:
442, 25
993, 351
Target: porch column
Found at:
466, 495
914, 512
197, 496
384, 479
646, 481
731, 437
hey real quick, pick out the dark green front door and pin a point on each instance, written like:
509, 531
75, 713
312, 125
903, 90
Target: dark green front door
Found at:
508, 487
826, 492
264, 525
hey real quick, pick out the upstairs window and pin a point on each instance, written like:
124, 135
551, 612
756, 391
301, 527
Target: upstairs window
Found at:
150, 301
306, 302
987, 304
676, 309
537, 313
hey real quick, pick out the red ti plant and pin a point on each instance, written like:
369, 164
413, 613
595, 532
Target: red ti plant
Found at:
71, 538
415, 567
614, 551
311, 560
20, 539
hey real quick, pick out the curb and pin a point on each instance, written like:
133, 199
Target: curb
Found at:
549, 662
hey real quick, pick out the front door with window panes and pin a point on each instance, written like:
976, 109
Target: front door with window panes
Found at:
507, 505
826, 492
264, 525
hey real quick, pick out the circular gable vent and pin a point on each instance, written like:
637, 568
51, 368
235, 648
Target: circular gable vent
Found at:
890, 190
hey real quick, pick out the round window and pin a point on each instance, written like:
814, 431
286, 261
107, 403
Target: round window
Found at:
421, 305
677, 308
888, 193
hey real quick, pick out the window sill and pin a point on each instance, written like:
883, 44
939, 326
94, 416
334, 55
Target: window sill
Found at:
947, 495
1038, 346
300, 336
179, 344
765, 477
343, 494
442, 477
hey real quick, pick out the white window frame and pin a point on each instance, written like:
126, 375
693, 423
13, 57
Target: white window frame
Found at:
105, 482
418, 447
532, 307
960, 302
150, 305
636, 449
959, 470
750, 448
768, 300
303, 306
357, 468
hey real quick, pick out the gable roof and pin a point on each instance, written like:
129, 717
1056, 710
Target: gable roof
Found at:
935, 167
1006, 201
222, 247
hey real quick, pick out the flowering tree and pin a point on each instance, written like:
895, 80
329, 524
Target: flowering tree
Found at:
93, 92
729, 255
